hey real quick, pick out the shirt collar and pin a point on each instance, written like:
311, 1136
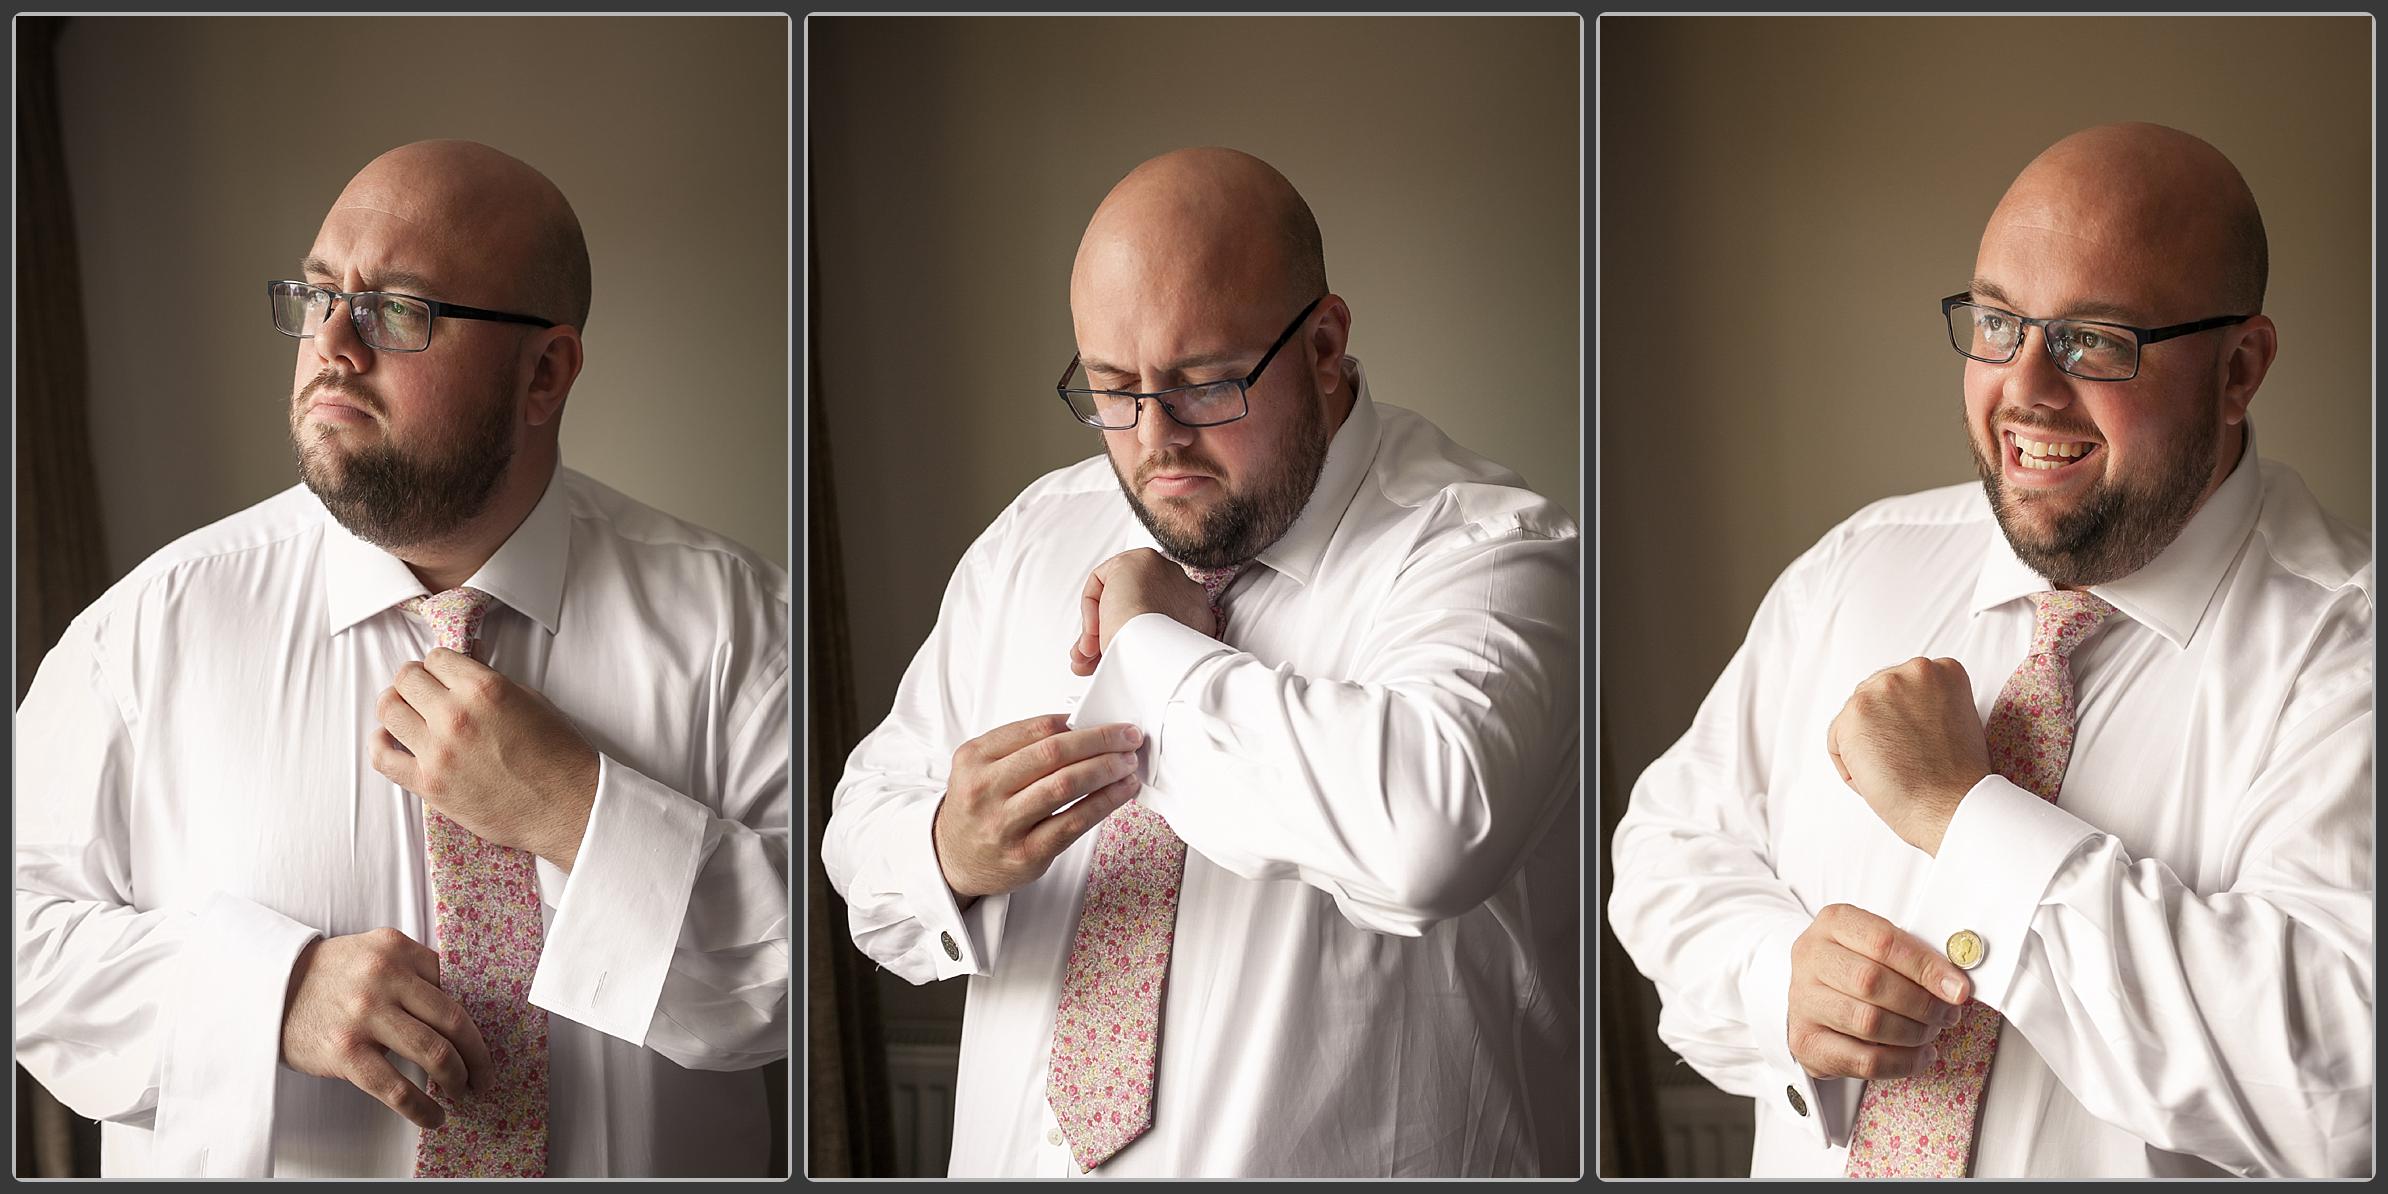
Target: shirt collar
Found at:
1298, 551
526, 573
2171, 593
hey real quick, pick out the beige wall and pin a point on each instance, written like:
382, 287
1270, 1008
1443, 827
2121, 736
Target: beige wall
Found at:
1781, 195
203, 152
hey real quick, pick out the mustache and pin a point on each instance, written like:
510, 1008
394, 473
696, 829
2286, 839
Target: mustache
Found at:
1174, 464
346, 388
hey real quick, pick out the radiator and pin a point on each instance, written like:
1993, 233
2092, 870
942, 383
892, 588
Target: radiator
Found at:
920, 1093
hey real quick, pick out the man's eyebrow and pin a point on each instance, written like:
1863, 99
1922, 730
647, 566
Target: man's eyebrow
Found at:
388, 279
1199, 360
2086, 309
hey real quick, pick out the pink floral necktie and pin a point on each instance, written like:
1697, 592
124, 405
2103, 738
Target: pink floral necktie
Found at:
486, 905
1107, 1026
1924, 1126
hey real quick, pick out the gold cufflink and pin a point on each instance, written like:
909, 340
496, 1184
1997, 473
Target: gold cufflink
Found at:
1965, 949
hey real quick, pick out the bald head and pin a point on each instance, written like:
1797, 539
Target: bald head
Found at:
1210, 219
490, 208
2168, 203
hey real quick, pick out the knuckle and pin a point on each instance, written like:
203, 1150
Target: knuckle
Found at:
1868, 981
1867, 1020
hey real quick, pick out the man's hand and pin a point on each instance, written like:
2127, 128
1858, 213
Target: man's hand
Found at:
494, 756
1867, 1000
1142, 581
354, 1000
997, 828
1910, 742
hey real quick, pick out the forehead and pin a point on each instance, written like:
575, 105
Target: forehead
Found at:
2047, 256
384, 245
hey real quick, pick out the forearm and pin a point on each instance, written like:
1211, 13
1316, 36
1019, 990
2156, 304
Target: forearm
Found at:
2232, 1024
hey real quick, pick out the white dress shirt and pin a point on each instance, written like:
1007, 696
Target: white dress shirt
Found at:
2181, 945
196, 801
1376, 777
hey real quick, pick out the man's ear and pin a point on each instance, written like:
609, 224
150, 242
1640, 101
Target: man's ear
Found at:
1327, 340
552, 375
2246, 358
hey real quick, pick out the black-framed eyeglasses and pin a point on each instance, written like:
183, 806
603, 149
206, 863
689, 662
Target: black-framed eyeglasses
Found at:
387, 320
2089, 349
1204, 404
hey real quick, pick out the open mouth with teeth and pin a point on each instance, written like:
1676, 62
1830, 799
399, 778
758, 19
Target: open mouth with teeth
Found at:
2048, 455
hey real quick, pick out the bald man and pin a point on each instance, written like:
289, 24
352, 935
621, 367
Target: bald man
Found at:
1239, 774
430, 817
2030, 832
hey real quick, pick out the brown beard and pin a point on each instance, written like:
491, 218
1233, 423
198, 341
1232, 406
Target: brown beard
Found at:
2115, 530
393, 497
1242, 524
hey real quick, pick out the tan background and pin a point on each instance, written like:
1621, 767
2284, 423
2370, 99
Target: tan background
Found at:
955, 162
1784, 202
203, 152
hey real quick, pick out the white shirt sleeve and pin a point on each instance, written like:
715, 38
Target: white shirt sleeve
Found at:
1408, 790
2229, 1023
166, 1018
1697, 902
876, 848
673, 931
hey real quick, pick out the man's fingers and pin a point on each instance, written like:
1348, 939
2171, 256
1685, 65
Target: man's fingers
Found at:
420, 688
1046, 796
1854, 1017
1898, 949
1829, 1054
453, 668
1832, 746
1868, 981
1055, 833
399, 718
440, 1012
409, 1037
1005, 739
392, 759
1038, 759
372, 1073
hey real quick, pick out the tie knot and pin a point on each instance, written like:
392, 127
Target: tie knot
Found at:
455, 616
1214, 581
2065, 619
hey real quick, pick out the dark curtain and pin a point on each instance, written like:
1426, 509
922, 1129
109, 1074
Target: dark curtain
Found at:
61, 567
848, 1124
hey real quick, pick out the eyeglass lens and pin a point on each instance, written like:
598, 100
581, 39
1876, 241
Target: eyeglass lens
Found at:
386, 321
2082, 349
1213, 403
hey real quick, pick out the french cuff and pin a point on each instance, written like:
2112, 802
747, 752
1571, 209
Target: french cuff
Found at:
223, 1050
610, 946
958, 942
1811, 1103
1996, 859
1140, 671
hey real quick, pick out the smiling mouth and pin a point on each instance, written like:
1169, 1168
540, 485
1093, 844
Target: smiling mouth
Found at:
2050, 455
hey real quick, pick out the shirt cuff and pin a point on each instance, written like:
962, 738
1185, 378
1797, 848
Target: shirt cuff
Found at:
1996, 859
1142, 668
223, 1051
611, 945
959, 943
1766, 994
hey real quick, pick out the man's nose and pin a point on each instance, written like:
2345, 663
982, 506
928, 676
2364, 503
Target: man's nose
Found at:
2033, 378
336, 338
1155, 429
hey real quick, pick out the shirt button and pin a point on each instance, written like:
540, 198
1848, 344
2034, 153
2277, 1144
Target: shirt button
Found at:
1053, 1137
1797, 1104
951, 950
1966, 949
